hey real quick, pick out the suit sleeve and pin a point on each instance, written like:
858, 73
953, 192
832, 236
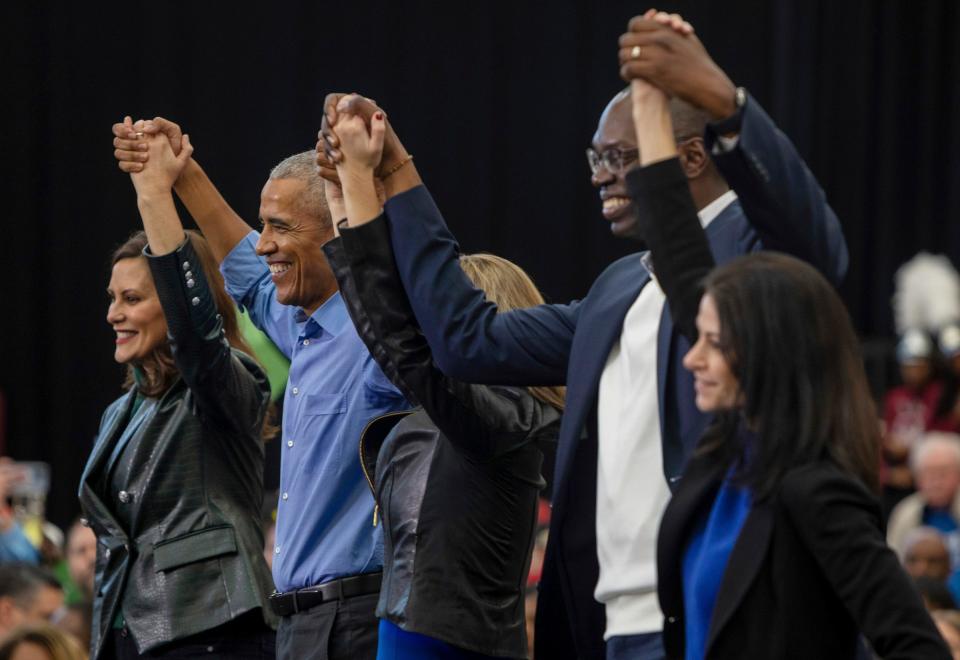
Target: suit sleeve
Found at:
779, 194
231, 390
469, 339
480, 420
667, 220
839, 523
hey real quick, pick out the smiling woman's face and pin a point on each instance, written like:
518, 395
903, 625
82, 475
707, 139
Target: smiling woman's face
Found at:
134, 312
716, 386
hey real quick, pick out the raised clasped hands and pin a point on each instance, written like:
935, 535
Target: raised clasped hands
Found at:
663, 50
161, 168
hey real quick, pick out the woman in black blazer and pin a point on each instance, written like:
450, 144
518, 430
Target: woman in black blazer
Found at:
771, 546
174, 484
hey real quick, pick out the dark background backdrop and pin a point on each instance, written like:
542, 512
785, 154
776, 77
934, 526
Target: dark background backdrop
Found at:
497, 101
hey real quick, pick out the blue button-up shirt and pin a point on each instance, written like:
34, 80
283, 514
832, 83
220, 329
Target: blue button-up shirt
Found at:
325, 513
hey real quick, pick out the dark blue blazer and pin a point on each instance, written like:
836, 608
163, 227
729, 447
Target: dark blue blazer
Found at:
569, 345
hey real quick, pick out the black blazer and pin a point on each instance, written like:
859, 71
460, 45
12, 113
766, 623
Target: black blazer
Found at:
811, 567
179, 542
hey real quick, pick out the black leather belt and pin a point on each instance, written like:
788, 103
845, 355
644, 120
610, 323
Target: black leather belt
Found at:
292, 602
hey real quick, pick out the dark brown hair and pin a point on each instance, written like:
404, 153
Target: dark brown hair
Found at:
790, 343
158, 371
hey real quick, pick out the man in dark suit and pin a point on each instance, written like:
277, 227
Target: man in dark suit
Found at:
630, 420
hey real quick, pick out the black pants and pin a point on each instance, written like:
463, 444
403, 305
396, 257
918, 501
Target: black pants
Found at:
338, 630
245, 638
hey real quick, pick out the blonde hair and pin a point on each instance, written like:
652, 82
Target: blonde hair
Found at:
55, 642
508, 287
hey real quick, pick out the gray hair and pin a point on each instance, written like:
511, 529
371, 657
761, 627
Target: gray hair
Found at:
312, 200
932, 441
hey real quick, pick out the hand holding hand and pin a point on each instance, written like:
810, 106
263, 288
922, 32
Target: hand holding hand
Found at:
164, 167
328, 144
360, 148
130, 145
663, 51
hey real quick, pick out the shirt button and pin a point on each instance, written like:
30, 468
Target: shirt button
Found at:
277, 550
195, 301
306, 342
289, 443
296, 391
285, 496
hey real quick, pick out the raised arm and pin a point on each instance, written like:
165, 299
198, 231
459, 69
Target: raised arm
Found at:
481, 420
779, 194
230, 238
469, 339
220, 224
230, 390
667, 218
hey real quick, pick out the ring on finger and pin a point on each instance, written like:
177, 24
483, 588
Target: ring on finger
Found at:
139, 135
635, 52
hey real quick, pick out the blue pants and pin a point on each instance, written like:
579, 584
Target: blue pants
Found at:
648, 646
395, 643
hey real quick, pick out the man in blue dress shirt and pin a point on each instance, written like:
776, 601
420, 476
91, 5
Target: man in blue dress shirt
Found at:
328, 553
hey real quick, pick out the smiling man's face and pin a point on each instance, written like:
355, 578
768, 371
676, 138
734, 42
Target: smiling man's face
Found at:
616, 133
292, 241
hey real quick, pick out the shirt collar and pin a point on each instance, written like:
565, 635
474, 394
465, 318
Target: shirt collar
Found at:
710, 212
707, 215
331, 316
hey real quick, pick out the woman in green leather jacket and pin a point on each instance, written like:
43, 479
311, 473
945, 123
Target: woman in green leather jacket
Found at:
174, 483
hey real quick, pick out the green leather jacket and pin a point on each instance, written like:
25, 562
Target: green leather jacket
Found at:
173, 488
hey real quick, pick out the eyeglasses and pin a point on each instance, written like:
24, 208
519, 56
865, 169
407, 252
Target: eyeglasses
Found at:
614, 160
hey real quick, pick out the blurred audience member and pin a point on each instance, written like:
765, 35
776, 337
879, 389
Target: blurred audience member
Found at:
82, 557
27, 595
40, 642
14, 545
935, 462
925, 554
907, 414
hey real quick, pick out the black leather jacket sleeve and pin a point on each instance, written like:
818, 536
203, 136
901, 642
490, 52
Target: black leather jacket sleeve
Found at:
481, 420
667, 221
230, 390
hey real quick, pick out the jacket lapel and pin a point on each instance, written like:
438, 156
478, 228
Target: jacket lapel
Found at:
599, 326
742, 567
698, 486
90, 495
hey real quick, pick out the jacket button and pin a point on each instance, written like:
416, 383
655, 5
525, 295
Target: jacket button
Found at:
186, 265
188, 275
124, 496
195, 301
190, 284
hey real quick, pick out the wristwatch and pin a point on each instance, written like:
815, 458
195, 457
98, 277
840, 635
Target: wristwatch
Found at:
730, 126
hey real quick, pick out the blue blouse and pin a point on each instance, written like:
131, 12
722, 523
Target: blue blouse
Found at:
705, 561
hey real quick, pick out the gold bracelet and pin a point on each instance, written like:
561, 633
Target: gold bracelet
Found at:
396, 167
